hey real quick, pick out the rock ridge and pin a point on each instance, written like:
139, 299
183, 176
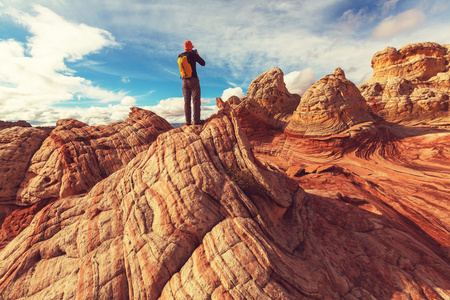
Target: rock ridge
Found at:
201, 214
76, 156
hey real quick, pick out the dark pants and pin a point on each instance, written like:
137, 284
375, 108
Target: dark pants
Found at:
191, 88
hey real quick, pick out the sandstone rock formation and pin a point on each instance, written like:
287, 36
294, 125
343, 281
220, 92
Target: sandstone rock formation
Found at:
196, 215
269, 91
268, 103
224, 211
330, 106
234, 100
411, 85
76, 156
134, 231
71, 160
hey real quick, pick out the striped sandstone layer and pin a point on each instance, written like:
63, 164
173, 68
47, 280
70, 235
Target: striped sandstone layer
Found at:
330, 106
40, 166
17, 146
197, 216
76, 156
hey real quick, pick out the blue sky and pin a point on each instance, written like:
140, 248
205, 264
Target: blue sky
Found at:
92, 60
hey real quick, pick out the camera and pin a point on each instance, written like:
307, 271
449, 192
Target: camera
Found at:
195, 51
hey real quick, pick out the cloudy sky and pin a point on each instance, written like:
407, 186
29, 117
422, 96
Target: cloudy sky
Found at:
92, 60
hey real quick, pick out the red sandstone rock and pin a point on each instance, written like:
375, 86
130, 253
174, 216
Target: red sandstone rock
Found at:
267, 105
420, 61
133, 235
76, 156
7, 124
330, 106
16, 219
197, 216
411, 85
234, 100
205, 212
269, 91
17, 146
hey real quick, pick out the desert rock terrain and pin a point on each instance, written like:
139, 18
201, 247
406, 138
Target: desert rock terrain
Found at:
343, 193
410, 85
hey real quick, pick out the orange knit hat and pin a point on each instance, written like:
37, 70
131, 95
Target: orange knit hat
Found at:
188, 45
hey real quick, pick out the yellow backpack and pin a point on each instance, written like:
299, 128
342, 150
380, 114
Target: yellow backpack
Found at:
185, 67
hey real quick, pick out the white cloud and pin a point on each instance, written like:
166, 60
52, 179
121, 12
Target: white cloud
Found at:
298, 82
351, 21
55, 40
34, 76
389, 5
47, 115
125, 79
237, 91
128, 101
172, 109
404, 22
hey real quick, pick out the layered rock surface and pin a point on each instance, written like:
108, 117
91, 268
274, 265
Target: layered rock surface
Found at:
41, 165
330, 106
134, 231
196, 215
203, 212
411, 85
76, 156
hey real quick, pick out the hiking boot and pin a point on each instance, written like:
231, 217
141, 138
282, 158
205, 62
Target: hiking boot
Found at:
201, 122
188, 123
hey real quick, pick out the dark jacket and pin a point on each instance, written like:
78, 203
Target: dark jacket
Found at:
193, 58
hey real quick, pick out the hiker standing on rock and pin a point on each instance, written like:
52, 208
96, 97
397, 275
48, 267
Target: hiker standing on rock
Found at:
191, 84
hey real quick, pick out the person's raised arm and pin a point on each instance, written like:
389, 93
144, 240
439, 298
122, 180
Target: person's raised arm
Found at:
198, 59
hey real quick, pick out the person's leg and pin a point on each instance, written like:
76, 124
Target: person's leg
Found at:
196, 98
187, 101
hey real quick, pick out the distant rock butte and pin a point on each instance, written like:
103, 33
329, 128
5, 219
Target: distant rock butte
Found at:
411, 85
330, 106
330, 202
20, 123
419, 61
